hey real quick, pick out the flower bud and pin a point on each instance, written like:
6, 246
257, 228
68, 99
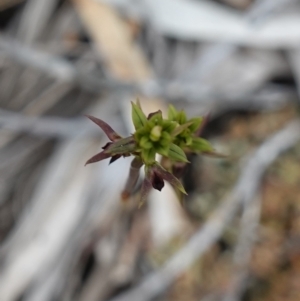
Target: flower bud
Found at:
155, 133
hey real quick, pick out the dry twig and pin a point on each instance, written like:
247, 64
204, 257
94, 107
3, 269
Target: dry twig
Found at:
243, 250
46, 127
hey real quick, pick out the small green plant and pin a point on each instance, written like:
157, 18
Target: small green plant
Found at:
171, 137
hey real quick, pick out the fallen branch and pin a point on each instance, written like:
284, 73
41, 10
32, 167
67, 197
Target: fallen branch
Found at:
64, 71
34, 19
52, 65
49, 229
263, 10
243, 249
197, 23
46, 127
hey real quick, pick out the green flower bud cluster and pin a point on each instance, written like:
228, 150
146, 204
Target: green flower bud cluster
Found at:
187, 138
153, 135
171, 137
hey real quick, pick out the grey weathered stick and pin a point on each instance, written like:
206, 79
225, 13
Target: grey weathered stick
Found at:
56, 67
59, 206
261, 10
294, 60
243, 193
197, 23
209, 60
243, 249
47, 99
45, 126
34, 19
64, 71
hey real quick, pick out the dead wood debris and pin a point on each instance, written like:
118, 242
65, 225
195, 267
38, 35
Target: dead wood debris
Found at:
64, 233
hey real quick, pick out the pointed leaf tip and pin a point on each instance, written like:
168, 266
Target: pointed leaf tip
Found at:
201, 145
114, 158
172, 113
169, 177
177, 154
98, 157
179, 129
196, 124
107, 129
139, 119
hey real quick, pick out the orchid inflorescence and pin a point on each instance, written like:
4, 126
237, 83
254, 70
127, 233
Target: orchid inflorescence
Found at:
171, 137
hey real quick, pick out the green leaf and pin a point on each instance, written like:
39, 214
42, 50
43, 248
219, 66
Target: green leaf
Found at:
181, 128
177, 154
172, 113
149, 125
188, 141
167, 176
148, 156
164, 151
201, 145
169, 126
181, 117
145, 143
157, 114
122, 146
139, 119
166, 136
196, 122
156, 118
165, 142
141, 133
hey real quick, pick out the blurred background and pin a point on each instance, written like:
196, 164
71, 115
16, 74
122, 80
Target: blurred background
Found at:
65, 235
